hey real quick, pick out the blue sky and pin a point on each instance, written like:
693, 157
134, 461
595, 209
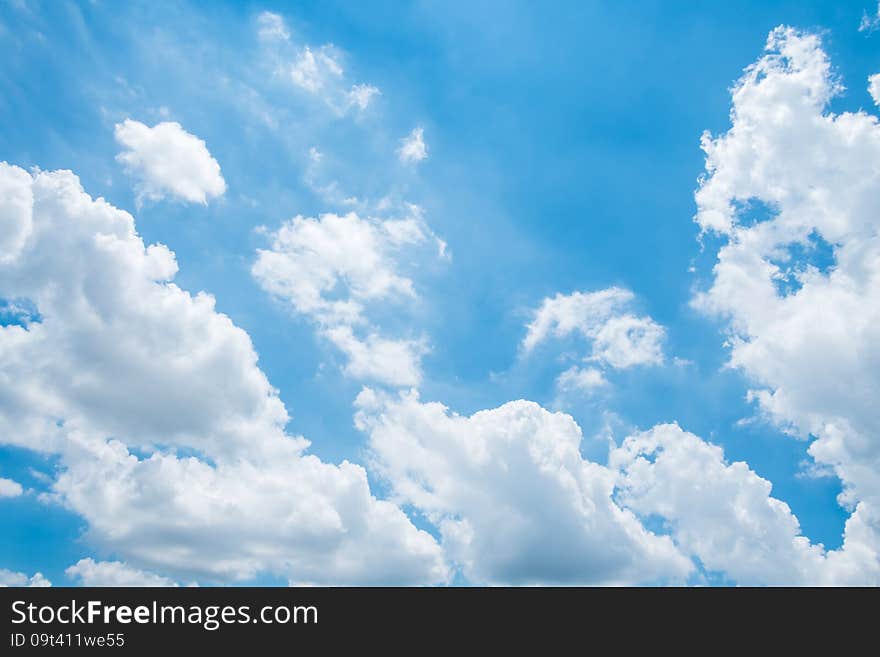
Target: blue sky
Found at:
563, 155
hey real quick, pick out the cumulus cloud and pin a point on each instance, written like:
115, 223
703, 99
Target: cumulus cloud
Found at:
412, 147
510, 494
618, 338
170, 439
10, 488
15, 212
88, 572
10, 578
799, 284
331, 268
723, 514
514, 502
168, 162
874, 88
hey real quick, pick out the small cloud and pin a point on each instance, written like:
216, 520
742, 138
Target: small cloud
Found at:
585, 379
313, 70
167, 161
9, 488
319, 71
271, 27
619, 338
870, 22
10, 578
361, 95
412, 147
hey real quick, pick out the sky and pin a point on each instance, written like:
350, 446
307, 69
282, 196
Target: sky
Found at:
439, 293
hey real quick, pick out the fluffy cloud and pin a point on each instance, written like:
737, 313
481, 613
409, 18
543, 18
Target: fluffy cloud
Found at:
310, 259
15, 212
412, 147
799, 284
88, 572
9, 488
395, 362
874, 88
332, 268
168, 162
618, 338
723, 514
171, 440
515, 502
510, 494
10, 578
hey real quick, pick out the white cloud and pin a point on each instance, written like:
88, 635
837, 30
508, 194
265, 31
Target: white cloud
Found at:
618, 338
361, 95
723, 514
16, 204
870, 22
271, 26
10, 578
395, 362
88, 572
316, 70
874, 88
311, 260
10, 488
332, 268
170, 439
585, 379
800, 289
515, 502
510, 494
168, 162
412, 147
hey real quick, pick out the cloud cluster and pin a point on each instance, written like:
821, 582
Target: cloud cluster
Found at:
170, 439
514, 502
168, 162
793, 188
510, 494
332, 268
